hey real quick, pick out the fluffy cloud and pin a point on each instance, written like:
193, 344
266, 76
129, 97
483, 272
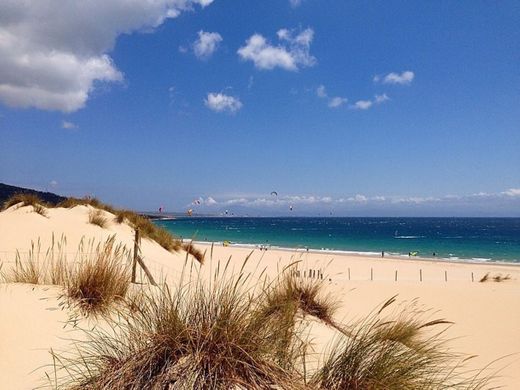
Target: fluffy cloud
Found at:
405, 78
292, 53
53, 52
295, 3
219, 102
206, 45
333, 102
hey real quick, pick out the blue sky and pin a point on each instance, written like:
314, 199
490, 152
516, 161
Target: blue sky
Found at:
350, 108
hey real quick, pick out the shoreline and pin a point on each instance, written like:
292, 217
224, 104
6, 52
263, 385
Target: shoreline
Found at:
363, 254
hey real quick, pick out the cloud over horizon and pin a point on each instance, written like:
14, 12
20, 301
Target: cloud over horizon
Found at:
292, 53
52, 52
312, 204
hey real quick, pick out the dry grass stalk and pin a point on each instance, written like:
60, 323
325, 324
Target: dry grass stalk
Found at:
205, 335
97, 277
96, 217
25, 199
290, 292
403, 352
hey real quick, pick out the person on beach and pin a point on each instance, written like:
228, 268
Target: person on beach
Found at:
382, 253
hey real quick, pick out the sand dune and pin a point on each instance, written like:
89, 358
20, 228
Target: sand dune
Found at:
486, 315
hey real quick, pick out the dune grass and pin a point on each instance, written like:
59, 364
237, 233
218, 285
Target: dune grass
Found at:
97, 277
404, 351
100, 278
96, 217
217, 334
146, 227
39, 206
198, 335
496, 278
290, 292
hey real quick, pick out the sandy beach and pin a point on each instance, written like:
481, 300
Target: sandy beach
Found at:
486, 316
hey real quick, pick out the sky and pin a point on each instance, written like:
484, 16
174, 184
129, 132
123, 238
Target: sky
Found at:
344, 108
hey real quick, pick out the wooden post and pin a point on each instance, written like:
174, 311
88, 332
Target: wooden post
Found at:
472, 278
396, 275
371, 274
445, 276
136, 254
420, 275
348, 273
146, 271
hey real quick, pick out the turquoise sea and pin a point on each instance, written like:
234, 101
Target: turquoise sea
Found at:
478, 239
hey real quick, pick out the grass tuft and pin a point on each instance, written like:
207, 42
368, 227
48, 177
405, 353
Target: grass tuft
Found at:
98, 277
96, 217
39, 206
405, 351
146, 227
197, 336
497, 278
307, 295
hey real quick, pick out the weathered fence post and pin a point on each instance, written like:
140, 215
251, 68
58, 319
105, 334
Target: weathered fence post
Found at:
136, 254
420, 275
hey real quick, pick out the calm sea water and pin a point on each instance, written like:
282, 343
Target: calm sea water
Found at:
486, 239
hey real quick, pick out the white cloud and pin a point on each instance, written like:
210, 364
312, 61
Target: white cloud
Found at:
405, 78
206, 45
337, 101
381, 98
219, 102
53, 52
333, 102
68, 125
362, 105
315, 203
53, 183
291, 54
295, 3
513, 192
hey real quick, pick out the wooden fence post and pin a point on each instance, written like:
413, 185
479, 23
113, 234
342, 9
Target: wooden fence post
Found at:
371, 274
136, 254
445, 276
420, 275
396, 275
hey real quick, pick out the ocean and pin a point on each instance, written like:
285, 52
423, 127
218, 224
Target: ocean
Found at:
477, 239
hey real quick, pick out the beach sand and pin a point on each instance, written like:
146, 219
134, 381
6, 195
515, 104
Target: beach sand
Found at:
486, 316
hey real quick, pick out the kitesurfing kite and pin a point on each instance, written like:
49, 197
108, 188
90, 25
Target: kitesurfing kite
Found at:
274, 193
